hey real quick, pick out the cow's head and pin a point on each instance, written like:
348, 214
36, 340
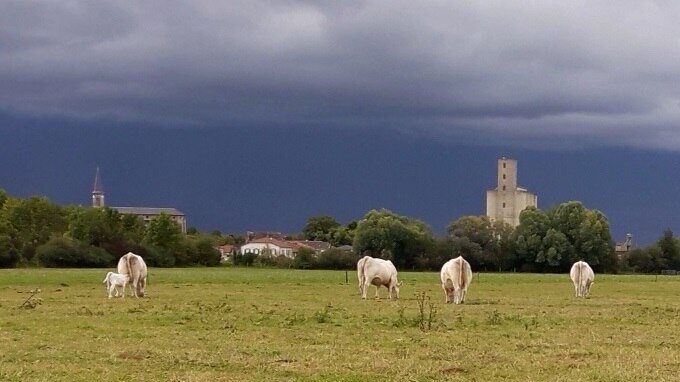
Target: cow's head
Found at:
394, 290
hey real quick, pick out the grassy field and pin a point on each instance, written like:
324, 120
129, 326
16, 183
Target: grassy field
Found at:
227, 324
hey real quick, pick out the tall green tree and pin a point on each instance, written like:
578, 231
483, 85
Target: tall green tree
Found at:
485, 244
96, 226
384, 234
163, 232
528, 240
3, 197
670, 250
319, 228
33, 221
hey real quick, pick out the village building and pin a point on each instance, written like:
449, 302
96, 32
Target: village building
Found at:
145, 213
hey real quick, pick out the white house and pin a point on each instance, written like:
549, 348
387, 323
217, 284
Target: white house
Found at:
271, 246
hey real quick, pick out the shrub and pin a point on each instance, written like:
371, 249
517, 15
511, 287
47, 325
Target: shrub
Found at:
9, 256
61, 252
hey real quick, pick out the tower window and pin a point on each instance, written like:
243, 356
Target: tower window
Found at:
503, 176
503, 188
503, 164
503, 205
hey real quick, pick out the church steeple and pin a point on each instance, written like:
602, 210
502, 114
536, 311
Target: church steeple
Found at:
97, 191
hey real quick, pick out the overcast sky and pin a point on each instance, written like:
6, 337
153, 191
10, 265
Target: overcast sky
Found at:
557, 77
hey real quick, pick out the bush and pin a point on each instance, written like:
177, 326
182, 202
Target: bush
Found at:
159, 257
305, 259
64, 253
204, 253
9, 256
336, 259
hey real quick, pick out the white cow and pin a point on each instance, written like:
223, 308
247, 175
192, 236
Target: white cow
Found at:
135, 268
115, 280
456, 276
373, 271
583, 277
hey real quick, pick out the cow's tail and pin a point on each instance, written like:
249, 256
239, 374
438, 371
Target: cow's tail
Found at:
463, 273
579, 278
363, 268
132, 276
360, 270
106, 279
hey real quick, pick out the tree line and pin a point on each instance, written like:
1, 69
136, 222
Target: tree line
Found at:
36, 232
544, 241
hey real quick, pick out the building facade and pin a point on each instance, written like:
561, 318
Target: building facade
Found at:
507, 200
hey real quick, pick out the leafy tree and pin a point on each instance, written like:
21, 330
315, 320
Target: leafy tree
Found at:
319, 228
96, 226
163, 232
528, 238
304, 259
33, 221
3, 197
552, 249
503, 255
483, 243
670, 251
595, 242
205, 253
9, 254
133, 228
553, 241
646, 260
387, 235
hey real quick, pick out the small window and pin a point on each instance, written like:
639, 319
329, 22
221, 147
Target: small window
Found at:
503, 188
503, 205
503, 164
503, 176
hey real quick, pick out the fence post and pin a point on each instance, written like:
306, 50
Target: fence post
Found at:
346, 279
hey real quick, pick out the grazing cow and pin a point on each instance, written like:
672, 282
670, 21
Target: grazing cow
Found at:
456, 276
135, 268
372, 271
583, 277
115, 280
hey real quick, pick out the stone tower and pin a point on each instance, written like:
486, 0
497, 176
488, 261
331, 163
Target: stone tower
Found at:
97, 191
507, 200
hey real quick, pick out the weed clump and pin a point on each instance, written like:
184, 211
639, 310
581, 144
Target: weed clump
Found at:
32, 301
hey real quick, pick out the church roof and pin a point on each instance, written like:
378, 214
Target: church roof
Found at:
98, 186
148, 211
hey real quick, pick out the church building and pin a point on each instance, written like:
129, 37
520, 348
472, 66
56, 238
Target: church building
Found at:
146, 213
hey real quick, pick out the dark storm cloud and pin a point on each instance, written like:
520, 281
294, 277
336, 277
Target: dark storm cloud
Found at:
578, 72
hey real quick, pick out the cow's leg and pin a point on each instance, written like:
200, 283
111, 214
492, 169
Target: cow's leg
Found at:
364, 289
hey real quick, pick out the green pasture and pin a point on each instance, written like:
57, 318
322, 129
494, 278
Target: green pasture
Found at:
231, 324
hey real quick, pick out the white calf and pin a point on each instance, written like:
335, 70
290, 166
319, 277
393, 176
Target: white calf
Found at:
456, 276
583, 277
115, 280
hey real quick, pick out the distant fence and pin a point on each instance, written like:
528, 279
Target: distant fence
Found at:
671, 272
